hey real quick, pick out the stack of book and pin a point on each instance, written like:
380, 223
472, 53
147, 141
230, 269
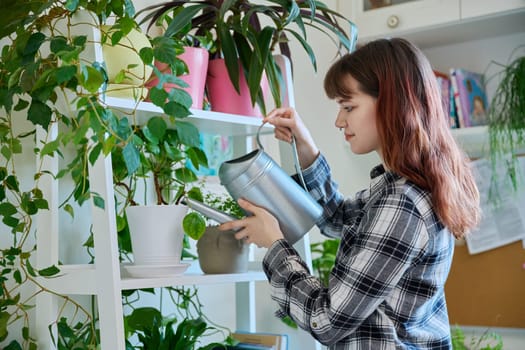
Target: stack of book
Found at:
464, 97
260, 341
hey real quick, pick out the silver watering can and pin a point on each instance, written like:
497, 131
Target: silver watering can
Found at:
257, 178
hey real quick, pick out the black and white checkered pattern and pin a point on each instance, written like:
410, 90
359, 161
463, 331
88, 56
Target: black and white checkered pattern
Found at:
386, 289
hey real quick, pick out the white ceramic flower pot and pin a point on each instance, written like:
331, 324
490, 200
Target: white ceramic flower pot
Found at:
156, 233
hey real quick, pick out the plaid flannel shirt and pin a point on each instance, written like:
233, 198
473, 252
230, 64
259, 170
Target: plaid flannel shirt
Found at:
386, 290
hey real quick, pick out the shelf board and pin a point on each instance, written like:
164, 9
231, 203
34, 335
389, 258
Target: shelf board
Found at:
207, 121
473, 140
81, 279
192, 279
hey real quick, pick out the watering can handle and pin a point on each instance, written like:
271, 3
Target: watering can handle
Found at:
295, 156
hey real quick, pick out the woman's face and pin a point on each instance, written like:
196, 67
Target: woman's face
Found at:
357, 119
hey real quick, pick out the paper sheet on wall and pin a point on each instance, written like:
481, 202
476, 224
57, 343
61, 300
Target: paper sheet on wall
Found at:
503, 223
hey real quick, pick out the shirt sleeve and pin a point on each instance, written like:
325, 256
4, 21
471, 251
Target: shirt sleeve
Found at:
337, 211
368, 269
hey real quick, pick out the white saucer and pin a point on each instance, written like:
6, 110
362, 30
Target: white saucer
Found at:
151, 271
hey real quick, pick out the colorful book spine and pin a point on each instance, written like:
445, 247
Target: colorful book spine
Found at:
455, 96
470, 97
445, 90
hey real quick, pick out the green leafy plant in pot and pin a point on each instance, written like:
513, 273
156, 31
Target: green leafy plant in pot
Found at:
219, 251
185, 328
161, 180
247, 34
149, 168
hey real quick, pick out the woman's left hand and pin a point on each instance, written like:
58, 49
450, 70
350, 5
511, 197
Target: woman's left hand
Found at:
261, 228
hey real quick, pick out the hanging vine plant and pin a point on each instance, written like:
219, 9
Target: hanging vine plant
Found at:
507, 120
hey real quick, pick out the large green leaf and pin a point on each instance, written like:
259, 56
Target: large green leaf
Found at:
143, 318
157, 128
175, 109
194, 225
39, 113
91, 78
158, 96
188, 134
131, 158
258, 62
49, 271
183, 18
230, 54
185, 175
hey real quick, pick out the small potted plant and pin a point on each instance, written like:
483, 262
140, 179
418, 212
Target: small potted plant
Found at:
152, 193
192, 64
219, 251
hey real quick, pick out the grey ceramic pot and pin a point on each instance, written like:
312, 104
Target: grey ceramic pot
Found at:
221, 252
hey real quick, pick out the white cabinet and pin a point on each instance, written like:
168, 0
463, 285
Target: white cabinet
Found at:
398, 16
477, 8
430, 23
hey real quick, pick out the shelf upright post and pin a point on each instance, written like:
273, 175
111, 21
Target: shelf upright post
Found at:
107, 266
47, 226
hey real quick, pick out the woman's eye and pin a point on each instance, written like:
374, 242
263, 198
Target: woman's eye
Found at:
348, 108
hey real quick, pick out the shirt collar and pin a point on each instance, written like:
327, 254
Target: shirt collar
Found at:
381, 178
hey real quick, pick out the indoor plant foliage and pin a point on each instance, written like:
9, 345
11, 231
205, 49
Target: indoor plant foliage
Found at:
45, 66
507, 118
242, 37
184, 329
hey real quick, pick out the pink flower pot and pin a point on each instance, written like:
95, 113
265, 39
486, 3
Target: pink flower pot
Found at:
222, 94
197, 61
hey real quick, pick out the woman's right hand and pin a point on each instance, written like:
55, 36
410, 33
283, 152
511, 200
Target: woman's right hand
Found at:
287, 123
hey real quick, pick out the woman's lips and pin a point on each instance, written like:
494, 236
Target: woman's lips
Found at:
349, 136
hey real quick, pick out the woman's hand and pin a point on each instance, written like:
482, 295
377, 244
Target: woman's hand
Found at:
287, 123
262, 228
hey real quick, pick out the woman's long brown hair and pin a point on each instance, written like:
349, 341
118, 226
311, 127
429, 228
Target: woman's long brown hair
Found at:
416, 141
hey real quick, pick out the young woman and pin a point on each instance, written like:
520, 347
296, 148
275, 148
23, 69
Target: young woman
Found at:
386, 290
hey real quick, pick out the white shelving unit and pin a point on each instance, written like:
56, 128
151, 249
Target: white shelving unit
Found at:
106, 279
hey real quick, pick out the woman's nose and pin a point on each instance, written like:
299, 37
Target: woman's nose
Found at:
340, 123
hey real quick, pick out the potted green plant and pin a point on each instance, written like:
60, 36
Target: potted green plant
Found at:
507, 119
151, 195
193, 53
247, 34
185, 328
219, 251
